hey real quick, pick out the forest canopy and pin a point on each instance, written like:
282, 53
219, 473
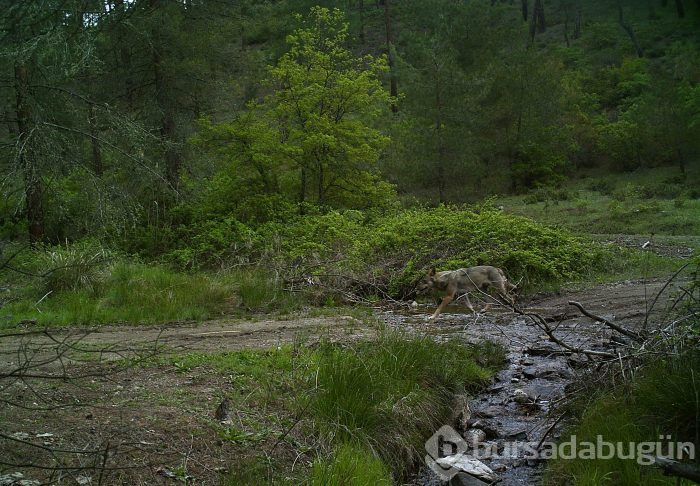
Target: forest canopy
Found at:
146, 123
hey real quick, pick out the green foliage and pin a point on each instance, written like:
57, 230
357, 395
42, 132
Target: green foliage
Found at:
72, 266
388, 396
661, 400
211, 242
311, 138
126, 293
369, 405
350, 465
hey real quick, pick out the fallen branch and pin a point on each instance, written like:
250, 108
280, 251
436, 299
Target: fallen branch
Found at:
680, 469
631, 334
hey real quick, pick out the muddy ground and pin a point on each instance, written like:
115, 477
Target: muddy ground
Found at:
155, 425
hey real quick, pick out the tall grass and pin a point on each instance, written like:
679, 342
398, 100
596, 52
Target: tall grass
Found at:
367, 407
350, 465
662, 400
137, 293
391, 395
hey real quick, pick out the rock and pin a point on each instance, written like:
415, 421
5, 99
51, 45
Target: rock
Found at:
518, 435
489, 412
17, 479
474, 437
462, 479
521, 396
222, 413
514, 380
462, 412
530, 372
490, 430
499, 467
469, 465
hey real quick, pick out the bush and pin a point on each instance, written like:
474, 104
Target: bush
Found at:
661, 400
389, 253
351, 465
72, 267
390, 395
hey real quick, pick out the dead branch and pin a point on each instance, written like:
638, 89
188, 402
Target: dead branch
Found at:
668, 282
631, 334
675, 468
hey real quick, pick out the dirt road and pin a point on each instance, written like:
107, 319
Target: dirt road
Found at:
154, 418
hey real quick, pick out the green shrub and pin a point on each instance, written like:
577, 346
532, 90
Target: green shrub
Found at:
661, 400
390, 395
392, 252
350, 465
603, 186
72, 266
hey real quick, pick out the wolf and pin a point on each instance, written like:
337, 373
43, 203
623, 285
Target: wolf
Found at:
452, 283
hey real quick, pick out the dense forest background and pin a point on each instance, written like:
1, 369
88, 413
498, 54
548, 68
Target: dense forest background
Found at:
146, 123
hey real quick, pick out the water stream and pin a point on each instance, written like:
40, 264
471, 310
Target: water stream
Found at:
520, 404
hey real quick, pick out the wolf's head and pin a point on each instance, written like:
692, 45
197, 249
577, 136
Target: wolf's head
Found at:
427, 283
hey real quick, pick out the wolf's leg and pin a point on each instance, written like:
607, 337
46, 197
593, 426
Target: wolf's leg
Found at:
503, 289
469, 304
445, 300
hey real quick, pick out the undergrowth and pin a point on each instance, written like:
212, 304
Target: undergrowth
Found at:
661, 401
369, 406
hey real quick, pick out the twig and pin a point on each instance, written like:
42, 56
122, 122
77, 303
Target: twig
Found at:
637, 337
549, 429
653, 303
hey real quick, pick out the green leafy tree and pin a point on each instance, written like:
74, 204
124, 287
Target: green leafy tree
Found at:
323, 103
312, 135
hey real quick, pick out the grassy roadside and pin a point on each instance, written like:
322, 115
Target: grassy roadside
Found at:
325, 258
357, 414
660, 404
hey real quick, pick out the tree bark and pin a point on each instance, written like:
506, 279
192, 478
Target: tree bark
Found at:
680, 9
523, 5
393, 84
630, 31
168, 128
302, 190
362, 21
438, 134
97, 165
537, 23
32, 180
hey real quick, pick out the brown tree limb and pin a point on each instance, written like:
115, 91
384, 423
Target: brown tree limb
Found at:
631, 334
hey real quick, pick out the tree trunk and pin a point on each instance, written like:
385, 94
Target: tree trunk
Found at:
393, 87
302, 190
680, 9
523, 4
97, 166
438, 135
168, 128
539, 12
630, 32
362, 22
32, 180
321, 181
577, 24
566, 27
537, 23
681, 161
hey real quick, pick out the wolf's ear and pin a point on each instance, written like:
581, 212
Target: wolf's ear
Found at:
431, 273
